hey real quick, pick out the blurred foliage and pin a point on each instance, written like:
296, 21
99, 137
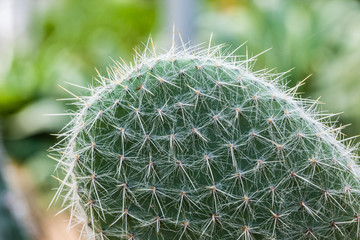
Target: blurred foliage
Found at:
69, 41
9, 227
320, 37
9, 224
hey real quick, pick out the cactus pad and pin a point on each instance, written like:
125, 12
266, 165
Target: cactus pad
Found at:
192, 144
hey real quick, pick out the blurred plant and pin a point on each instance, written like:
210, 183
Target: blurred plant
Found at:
66, 40
10, 226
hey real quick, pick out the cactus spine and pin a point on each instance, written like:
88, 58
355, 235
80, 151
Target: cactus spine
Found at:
191, 144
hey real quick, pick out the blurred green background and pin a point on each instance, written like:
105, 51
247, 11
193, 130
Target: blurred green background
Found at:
44, 44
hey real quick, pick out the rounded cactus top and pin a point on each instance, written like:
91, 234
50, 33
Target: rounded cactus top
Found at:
192, 144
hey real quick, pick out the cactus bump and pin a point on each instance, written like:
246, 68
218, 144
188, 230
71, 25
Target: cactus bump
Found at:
193, 144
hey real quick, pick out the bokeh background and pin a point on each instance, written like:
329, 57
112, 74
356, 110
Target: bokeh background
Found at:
46, 43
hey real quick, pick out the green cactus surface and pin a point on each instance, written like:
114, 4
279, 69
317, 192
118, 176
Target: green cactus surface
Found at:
193, 144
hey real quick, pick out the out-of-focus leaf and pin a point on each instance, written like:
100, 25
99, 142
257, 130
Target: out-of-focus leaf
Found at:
69, 41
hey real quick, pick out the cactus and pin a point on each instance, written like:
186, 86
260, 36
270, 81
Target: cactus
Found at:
192, 144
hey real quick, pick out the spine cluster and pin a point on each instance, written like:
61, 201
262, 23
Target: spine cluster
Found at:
192, 144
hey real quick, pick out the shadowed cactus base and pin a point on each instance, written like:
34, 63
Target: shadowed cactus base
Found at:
193, 145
